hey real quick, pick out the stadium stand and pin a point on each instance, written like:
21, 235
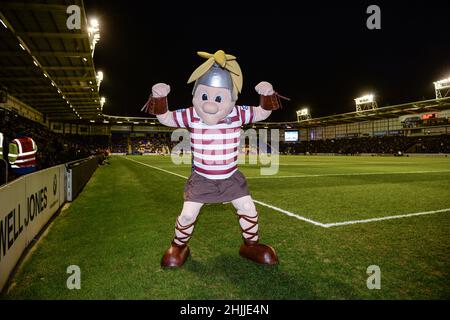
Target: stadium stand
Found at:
49, 88
119, 143
152, 144
392, 145
50, 91
53, 148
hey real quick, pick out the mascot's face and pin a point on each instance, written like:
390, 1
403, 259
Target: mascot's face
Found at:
212, 104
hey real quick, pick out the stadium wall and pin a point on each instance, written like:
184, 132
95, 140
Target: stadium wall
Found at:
105, 128
21, 108
78, 174
370, 128
27, 204
81, 129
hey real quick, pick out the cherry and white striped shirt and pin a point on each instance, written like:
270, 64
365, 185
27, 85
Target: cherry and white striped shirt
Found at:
215, 147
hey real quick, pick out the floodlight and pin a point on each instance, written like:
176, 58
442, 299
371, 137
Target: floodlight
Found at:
368, 98
94, 33
366, 102
303, 114
94, 23
102, 102
440, 86
100, 76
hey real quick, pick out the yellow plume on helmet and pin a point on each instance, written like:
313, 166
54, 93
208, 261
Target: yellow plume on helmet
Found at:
226, 61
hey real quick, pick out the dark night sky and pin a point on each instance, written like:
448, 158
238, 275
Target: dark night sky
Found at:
319, 55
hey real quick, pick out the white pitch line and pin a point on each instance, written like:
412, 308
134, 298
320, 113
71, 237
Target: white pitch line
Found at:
344, 223
347, 163
256, 201
156, 168
344, 174
291, 214
316, 223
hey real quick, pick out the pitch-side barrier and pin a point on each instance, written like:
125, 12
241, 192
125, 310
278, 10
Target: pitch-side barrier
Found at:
29, 202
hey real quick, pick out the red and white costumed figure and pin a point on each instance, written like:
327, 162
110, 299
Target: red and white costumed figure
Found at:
214, 123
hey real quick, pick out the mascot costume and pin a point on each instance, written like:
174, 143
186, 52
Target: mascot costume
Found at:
214, 123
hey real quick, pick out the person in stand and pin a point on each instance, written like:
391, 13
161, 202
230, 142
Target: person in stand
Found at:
22, 155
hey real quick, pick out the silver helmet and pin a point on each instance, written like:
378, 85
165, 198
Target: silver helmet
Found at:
216, 77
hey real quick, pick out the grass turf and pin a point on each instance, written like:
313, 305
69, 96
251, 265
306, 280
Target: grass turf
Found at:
122, 222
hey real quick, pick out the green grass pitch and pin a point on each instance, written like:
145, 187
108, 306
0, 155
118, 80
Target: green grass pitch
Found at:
118, 228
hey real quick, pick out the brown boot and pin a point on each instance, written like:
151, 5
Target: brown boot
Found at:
252, 249
175, 256
178, 252
259, 253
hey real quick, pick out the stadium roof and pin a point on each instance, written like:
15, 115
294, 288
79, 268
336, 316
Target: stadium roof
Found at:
44, 63
412, 108
433, 105
129, 120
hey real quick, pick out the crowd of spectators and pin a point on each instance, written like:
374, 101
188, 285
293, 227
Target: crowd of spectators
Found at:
388, 145
119, 143
158, 143
152, 143
52, 148
376, 145
55, 148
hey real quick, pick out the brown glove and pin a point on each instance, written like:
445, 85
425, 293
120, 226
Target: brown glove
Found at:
155, 106
271, 102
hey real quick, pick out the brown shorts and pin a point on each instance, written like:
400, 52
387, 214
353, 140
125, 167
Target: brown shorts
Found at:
203, 190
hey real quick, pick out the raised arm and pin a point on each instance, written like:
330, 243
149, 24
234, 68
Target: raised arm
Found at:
268, 101
167, 119
261, 114
157, 105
